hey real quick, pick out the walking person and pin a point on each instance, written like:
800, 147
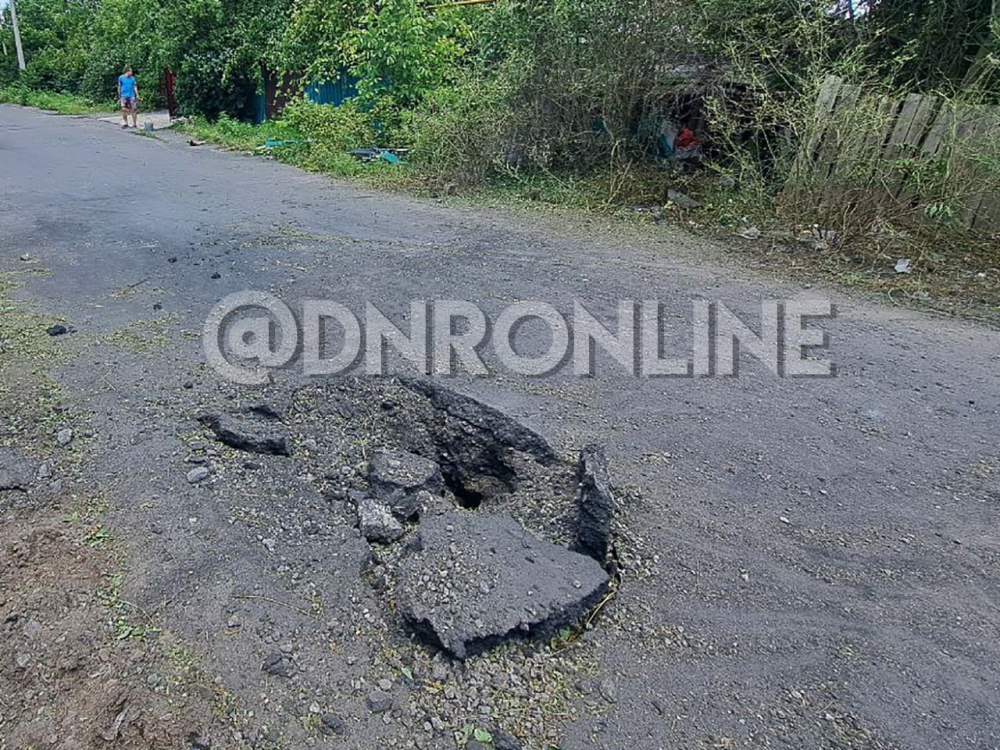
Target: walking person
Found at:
128, 96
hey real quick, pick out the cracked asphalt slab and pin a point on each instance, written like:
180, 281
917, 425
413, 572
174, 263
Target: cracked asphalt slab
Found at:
806, 562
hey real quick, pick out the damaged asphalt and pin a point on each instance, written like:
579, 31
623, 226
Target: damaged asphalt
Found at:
802, 563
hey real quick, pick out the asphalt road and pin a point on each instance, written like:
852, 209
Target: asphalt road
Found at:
821, 555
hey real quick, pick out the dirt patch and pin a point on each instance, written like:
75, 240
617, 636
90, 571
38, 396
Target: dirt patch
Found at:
961, 280
72, 674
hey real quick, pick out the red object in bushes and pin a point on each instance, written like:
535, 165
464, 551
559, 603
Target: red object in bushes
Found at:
687, 139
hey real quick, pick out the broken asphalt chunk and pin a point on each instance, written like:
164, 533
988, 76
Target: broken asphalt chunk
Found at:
596, 505
330, 724
59, 330
376, 522
16, 472
379, 702
483, 424
502, 582
398, 477
249, 435
277, 664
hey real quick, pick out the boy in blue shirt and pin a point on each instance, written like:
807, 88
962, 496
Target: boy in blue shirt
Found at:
128, 96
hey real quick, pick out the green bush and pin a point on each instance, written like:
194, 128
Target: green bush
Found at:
330, 133
340, 128
204, 88
467, 131
67, 104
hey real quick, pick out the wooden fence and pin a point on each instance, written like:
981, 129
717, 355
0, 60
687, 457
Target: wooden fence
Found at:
913, 151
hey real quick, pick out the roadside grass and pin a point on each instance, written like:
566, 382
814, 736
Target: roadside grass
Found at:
235, 135
64, 104
952, 271
282, 142
29, 395
142, 336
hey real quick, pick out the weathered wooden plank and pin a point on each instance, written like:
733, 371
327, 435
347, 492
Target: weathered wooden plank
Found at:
975, 165
862, 143
970, 209
827, 96
975, 135
836, 131
911, 126
839, 149
940, 131
900, 131
805, 160
886, 116
987, 218
825, 103
921, 119
988, 215
909, 132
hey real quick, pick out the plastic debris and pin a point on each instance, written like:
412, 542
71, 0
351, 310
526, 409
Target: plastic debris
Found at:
373, 153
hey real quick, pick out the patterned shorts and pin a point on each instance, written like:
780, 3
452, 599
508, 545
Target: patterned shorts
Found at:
128, 102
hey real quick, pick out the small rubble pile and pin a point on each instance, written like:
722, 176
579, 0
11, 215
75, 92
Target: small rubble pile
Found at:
470, 579
376, 521
404, 482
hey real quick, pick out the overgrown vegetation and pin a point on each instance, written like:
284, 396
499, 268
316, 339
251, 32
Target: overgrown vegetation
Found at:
311, 136
580, 101
53, 101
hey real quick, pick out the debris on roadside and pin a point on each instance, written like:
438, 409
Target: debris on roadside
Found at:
59, 330
16, 472
278, 664
596, 506
682, 200
655, 211
268, 146
399, 477
376, 521
819, 239
478, 532
373, 153
248, 434
379, 701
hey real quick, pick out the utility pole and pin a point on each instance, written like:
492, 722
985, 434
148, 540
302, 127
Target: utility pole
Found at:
17, 35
